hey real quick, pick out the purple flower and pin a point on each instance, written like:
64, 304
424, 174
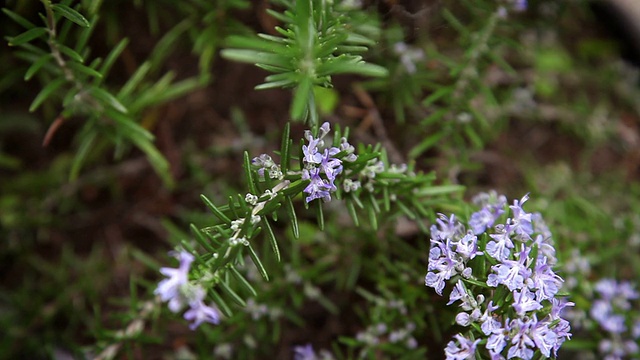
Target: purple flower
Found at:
544, 338
467, 247
304, 352
465, 349
318, 188
496, 342
170, 289
544, 280
447, 228
200, 313
521, 221
443, 260
331, 166
498, 247
492, 209
489, 323
519, 5
524, 301
521, 342
511, 273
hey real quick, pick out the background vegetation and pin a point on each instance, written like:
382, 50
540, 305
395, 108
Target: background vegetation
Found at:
115, 116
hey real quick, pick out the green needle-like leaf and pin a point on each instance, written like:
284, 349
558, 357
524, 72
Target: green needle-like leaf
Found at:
70, 14
219, 214
46, 92
27, 36
258, 263
272, 237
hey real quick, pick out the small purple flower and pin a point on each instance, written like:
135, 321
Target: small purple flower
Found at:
304, 352
522, 226
500, 244
200, 313
521, 342
467, 247
169, 289
519, 5
524, 301
511, 273
496, 342
544, 338
546, 282
447, 228
443, 260
492, 208
318, 188
465, 349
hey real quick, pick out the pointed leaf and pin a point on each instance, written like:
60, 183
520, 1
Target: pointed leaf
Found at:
108, 99
219, 214
222, 305
70, 14
295, 228
248, 173
243, 282
19, 19
202, 239
272, 237
37, 65
46, 92
284, 148
232, 294
258, 263
27, 36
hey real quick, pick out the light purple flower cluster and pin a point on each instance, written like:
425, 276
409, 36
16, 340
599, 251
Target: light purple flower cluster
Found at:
522, 314
320, 165
612, 312
306, 352
178, 291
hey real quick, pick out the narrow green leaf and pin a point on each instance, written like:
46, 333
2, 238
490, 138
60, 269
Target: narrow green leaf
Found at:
301, 98
202, 239
440, 190
436, 95
373, 219
284, 148
113, 55
91, 72
27, 36
46, 92
272, 237
293, 219
352, 211
243, 282
19, 19
425, 145
70, 53
248, 173
219, 214
222, 305
258, 263
108, 99
86, 145
232, 294
319, 214
37, 65
135, 80
70, 14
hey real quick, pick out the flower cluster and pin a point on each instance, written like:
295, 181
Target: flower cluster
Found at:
409, 56
610, 311
320, 165
266, 164
306, 352
514, 310
179, 292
